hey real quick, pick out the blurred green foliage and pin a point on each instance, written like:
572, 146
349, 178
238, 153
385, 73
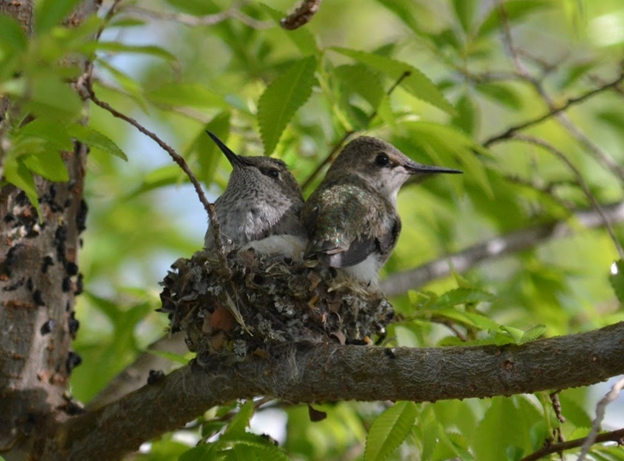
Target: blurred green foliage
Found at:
295, 95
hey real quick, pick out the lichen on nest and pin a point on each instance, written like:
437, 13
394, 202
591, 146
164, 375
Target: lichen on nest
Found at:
266, 301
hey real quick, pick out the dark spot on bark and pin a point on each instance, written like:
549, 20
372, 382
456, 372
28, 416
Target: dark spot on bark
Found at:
10, 259
71, 268
73, 360
390, 353
67, 306
81, 216
79, 286
73, 324
60, 237
38, 298
155, 376
47, 327
66, 285
67, 203
15, 286
8, 218
30, 285
73, 408
47, 262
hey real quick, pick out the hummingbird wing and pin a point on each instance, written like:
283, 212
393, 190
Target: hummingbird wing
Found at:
343, 225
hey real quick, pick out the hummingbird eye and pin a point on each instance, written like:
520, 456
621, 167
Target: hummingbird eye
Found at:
272, 173
382, 159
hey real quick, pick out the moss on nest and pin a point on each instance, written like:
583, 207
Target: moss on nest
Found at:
268, 301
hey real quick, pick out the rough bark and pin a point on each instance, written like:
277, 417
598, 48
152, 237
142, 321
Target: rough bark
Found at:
332, 372
39, 280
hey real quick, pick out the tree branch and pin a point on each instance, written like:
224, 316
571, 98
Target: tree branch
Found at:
496, 247
614, 436
332, 372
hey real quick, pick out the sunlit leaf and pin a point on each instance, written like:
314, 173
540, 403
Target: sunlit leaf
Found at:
16, 173
389, 430
50, 98
13, 36
47, 164
282, 98
532, 334
240, 422
415, 81
95, 140
463, 296
204, 452
51, 131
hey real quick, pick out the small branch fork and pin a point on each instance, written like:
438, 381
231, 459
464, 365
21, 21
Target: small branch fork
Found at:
301, 15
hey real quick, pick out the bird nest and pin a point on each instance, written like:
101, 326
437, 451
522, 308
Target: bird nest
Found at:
264, 301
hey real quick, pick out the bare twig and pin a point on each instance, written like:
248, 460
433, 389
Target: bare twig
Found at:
301, 15
614, 436
177, 158
208, 20
554, 111
338, 145
496, 247
581, 181
601, 408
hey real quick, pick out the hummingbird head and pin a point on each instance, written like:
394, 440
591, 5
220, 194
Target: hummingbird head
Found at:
260, 175
382, 165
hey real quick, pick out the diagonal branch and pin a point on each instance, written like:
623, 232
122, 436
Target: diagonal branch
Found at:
496, 247
332, 372
614, 436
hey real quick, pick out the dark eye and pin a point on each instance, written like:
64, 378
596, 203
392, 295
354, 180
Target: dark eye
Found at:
272, 173
382, 159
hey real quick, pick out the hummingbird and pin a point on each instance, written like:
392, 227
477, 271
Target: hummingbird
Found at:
352, 218
261, 204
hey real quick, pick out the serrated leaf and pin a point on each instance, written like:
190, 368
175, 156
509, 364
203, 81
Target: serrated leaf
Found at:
468, 318
463, 296
501, 93
48, 165
13, 36
96, 140
616, 279
204, 452
260, 445
389, 430
515, 333
532, 334
246, 452
282, 98
301, 37
514, 11
48, 130
52, 12
16, 173
240, 422
416, 83
186, 94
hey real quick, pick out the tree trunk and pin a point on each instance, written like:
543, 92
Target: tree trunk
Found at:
39, 280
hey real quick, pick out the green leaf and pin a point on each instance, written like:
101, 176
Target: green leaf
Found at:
204, 452
186, 94
95, 140
176, 358
48, 130
48, 97
463, 296
389, 430
205, 150
515, 333
52, 12
532, 334
616, 279
240, 422
263, 448
361, 80
468, 318
467, 118
133, 88
501, 94
415, 83
407, 11
118, 47
13, 36
160, 177
282, 98
465, 12
514, 11
47, 164
490, 443
302, 37
16, 173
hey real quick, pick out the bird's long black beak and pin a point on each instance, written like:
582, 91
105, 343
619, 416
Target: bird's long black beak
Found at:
234, 159
415, 168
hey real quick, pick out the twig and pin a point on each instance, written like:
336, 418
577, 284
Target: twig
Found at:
570, 102
581, 181
495, 247
207, 20
601, 408
301, 15
338, 145
177, 158
614, 436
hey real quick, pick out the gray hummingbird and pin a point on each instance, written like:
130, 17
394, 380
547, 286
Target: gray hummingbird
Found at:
352, 218
261, 204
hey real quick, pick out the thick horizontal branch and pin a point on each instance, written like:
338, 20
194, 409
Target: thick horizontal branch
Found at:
495, 247
332, 372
